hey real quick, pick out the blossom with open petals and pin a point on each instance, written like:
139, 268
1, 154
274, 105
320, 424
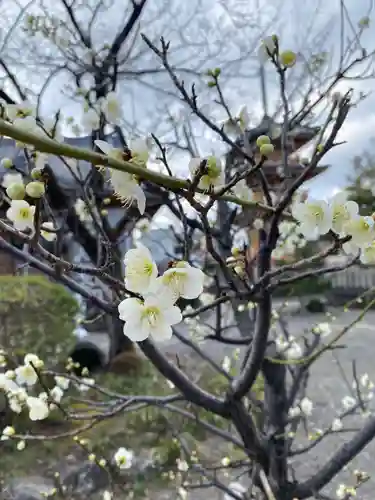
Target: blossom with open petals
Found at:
125, 185
140, 269
154, 317
123, 458
213, 172
267, 48
368, 254
12, 178
38, 408
361, 229
306, 406
111, 107
242, 191
343, 210
21, 109
238, 123
314, 217
26, 375
82, 210
21, 214
181, 280
47, 231
91, 120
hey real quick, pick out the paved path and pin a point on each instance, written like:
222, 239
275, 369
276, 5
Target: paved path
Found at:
326, 389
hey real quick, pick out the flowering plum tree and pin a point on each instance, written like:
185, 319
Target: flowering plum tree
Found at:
144, 300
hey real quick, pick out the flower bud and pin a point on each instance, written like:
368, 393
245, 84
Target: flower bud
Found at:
288, 58
236, 252
263, 139
266, 149
35, 189
6, 163
16, 191
36, 173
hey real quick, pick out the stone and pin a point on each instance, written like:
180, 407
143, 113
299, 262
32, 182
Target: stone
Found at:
27, 488
82, 477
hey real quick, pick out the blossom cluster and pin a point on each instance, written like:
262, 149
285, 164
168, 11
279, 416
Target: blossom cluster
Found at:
19, 387
340, 215
154, 312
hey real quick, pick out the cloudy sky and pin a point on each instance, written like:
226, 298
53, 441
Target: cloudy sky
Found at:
203, 34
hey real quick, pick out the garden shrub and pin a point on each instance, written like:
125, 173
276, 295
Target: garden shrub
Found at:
38, 316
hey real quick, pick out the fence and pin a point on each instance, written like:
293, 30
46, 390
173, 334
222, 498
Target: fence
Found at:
352, 281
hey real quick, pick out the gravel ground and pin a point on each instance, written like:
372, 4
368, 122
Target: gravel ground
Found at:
326, 389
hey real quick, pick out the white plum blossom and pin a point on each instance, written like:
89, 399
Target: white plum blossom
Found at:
33, 359
367, 255
123, 458
239, 123
214, 174
343, 210
361, 229
242, 191
348, 402
62, 382
22, 109
91, 120
125, 185
127, 189
21, 445
140, 269
56, 393
226, 364
47, 231
7, 433
111, 108
366, 382
337, 424
181, 280
182, 465
30, 125
26, 375
86, 384
314, 217
12, 178
306, 406
322, 329
293, 412
267, 48
82, 210
21, 214
289, 347
38, 408
154, 317
140, 151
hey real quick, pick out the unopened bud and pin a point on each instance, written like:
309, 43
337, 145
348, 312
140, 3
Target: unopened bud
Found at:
36, 173
288, 58
35, 189
16, 191
266, 149
263, 139
6, 163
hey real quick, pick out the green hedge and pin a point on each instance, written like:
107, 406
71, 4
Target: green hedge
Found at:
38, 316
